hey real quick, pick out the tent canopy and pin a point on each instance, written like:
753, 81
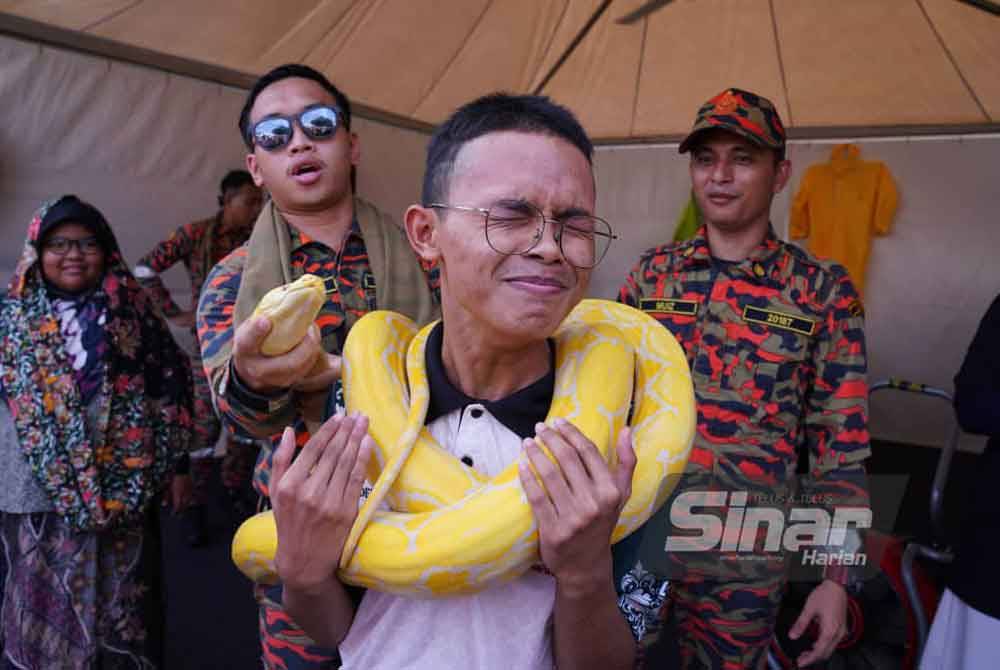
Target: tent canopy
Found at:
850, 64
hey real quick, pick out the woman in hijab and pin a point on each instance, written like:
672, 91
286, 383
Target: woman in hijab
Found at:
96, 413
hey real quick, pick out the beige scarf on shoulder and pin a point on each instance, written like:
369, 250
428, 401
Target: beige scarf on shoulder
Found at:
400, 282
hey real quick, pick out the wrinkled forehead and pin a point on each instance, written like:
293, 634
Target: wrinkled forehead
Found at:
537, 167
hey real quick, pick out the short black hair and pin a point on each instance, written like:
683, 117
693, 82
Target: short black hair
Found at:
496, 112
289, 71
234, 180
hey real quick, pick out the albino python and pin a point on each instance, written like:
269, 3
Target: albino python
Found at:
432, 526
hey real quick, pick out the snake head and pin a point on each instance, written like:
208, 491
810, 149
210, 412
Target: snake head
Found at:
291, 308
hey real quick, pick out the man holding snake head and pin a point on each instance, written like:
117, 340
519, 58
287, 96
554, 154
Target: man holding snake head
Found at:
297, 128
508, 217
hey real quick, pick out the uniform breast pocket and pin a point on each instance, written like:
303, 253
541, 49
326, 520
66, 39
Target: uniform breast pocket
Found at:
779, 364
765, 369
682, 328
676, 315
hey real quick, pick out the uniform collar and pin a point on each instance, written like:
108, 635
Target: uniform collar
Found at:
519, 411
299, 239
757, 264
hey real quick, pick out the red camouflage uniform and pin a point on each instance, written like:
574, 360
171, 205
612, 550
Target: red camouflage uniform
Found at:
284, 645
777, 353
198, 245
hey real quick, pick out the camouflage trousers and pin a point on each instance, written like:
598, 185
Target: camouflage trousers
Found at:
206, 422
206, 433
238, 462
235, 470
240, 454
724, 625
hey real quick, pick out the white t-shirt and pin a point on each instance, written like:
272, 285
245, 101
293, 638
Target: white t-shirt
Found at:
507, 627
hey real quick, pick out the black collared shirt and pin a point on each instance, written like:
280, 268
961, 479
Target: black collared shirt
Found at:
519, 411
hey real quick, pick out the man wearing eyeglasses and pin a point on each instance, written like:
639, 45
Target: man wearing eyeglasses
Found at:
507, 214
297, 128
775, 340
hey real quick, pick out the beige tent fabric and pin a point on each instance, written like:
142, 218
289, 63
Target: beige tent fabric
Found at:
515, 49
149, 148
694, 52
825, 64
975, 44
893, 73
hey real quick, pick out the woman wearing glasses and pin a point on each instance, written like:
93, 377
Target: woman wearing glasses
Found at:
96, 411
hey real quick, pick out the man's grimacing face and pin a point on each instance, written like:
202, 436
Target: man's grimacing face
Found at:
518, 298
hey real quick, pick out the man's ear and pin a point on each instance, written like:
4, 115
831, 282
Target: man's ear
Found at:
254, 169
355, 149
782, 173
421, 225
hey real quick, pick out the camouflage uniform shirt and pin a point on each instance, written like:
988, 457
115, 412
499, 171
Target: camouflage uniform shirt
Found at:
777, 354
187, 244
348, 269
283, 644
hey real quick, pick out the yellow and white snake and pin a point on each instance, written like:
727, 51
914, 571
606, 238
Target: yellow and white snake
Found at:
432, 526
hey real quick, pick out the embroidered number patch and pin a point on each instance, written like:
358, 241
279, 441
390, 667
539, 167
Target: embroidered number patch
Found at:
774, 319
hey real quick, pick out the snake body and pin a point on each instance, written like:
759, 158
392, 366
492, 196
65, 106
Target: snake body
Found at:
432, 526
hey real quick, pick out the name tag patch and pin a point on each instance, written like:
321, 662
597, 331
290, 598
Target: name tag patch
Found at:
668, 306
796, 324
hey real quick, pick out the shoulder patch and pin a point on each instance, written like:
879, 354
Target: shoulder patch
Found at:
856, 308
769, 317
824, 274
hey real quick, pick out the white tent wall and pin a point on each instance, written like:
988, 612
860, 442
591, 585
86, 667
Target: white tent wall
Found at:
929, 281
146, 147
149, 148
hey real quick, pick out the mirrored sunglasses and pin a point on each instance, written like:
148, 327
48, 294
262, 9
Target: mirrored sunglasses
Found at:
274, 132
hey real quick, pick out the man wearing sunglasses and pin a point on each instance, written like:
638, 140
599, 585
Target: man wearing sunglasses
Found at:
297, 128
775, 340
507, 214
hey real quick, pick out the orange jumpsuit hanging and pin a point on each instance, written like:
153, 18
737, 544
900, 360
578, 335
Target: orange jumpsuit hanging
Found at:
840, 205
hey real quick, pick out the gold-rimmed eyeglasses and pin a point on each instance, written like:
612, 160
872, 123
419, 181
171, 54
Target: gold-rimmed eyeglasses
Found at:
514, 228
